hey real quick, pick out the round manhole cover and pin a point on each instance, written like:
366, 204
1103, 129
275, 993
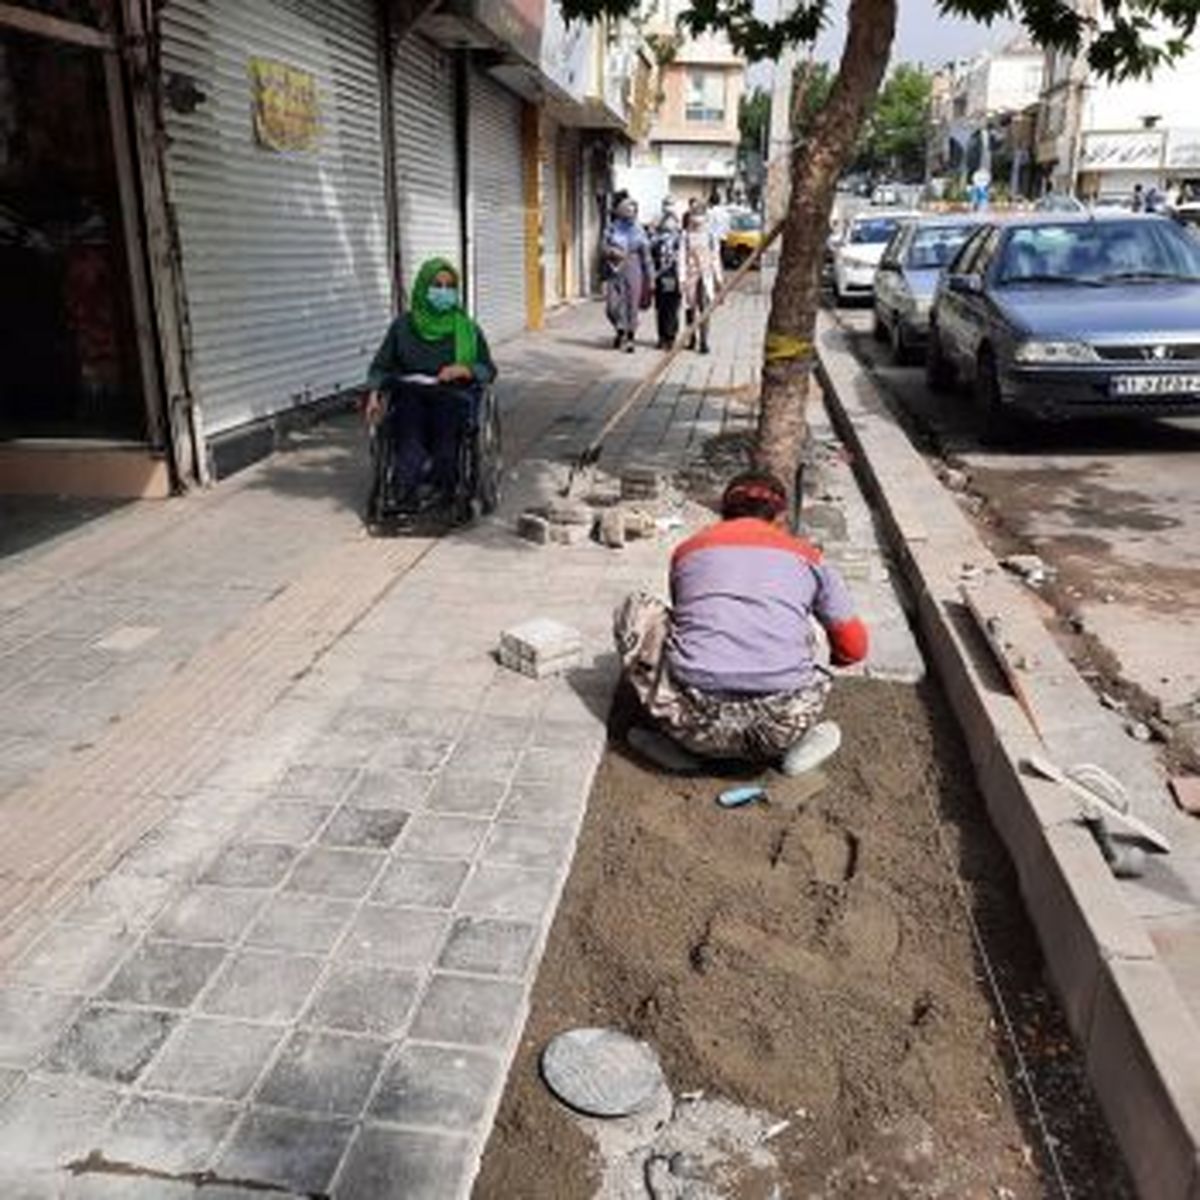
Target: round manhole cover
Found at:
601, 1072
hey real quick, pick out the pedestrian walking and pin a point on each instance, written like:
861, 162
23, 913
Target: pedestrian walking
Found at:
629, 273
1138, 200
664, 251
700, 272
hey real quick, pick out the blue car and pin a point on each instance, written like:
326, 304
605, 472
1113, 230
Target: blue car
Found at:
1060, 316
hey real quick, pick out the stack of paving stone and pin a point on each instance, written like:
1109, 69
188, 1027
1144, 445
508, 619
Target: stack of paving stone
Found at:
541, 647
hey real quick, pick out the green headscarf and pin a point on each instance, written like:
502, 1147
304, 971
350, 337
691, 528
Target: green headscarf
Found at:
432, 326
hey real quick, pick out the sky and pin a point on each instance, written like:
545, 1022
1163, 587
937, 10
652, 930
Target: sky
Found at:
923, 35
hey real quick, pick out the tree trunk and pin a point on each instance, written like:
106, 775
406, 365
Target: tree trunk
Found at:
789, 355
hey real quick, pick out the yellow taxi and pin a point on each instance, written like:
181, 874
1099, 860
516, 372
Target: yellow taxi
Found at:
743, 236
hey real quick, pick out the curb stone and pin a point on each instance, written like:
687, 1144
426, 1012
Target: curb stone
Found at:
1140, 1040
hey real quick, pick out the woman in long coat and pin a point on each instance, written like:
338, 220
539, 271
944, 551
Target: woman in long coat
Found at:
629, 273
700, 273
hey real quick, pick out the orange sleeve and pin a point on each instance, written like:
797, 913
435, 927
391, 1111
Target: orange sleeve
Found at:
848, 642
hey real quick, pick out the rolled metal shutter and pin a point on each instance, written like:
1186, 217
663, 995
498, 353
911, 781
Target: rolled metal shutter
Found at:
498, 207
551, 215
284, 253
426, 155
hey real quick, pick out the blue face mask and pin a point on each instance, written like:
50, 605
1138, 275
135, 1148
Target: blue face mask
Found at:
442, 299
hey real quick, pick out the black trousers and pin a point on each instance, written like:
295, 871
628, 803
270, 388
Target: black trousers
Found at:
666, 311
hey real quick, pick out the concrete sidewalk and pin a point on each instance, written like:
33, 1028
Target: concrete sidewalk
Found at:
283, 843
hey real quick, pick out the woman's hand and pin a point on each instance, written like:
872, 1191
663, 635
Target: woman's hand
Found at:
375, 407
455, 373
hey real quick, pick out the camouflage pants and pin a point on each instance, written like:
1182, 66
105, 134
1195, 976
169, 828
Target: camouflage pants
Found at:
759, 728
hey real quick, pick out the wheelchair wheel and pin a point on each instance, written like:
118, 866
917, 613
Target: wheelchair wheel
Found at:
489, 463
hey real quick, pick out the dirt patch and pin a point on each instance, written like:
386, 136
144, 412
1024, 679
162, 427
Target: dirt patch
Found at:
812, 961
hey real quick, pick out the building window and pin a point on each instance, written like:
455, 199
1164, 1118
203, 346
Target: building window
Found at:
705, 96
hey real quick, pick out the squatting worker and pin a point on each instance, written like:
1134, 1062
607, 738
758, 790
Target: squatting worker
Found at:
422, 380
728, 671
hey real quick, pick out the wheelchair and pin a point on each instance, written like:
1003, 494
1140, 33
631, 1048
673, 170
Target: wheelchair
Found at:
479, 477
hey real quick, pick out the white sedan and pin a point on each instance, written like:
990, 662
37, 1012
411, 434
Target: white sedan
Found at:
857, 254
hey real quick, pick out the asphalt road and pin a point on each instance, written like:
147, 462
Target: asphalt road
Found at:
1114, 508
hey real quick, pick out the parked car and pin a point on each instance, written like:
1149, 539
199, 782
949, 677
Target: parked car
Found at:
1059, 202
744, 236
1070, 316
885, 195
857, 253
907, 277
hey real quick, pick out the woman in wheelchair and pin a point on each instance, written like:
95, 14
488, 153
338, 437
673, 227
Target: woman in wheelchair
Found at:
425, 380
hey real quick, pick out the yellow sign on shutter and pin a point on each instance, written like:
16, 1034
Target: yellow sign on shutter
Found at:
287, 112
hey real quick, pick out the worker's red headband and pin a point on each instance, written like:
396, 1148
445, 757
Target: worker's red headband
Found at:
759, 492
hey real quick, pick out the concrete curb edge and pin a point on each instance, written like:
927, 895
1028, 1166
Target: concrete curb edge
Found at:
1140, 1040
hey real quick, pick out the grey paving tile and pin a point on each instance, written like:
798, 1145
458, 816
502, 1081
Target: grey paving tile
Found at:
364, 828
345, 874
437, 1085
213, 1058
9, 1078
176, 1136
511, 733
487, 946
120, 901
164, 974
498, 891
432, 883
467, 795
48, 1121
250, 865
528, 845
294, 1152
325, 1073
359, 998
365, 721
30, 1183
72, 958
306, 924
483, 759
209, 914
293, 822
402, 790
261, 986
562, 766
308, 782
416, 1165
174, 850
395, 937
443, 837
412, 753
30, 1022
543, 804
93, 1186
110, 1044
470, 1012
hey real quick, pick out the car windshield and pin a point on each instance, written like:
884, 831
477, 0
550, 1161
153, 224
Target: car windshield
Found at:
745, 222
872, 232
934, 246
1098, 252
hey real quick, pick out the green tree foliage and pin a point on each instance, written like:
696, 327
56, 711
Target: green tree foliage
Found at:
897, 129
811, 86
754, 119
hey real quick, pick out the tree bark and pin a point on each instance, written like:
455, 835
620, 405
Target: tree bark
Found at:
789, 354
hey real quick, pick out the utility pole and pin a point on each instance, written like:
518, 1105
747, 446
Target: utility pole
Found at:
779, 147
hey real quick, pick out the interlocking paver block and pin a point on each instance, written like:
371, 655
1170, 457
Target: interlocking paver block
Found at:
541, 647
54, 1120
363, 999
306, 782
346, 874
496, 891
122, 901
209, 914
443, 837
479, 758
437, 1085
545, 804
250, 865
30, 1021
395, 937
110, 1043
400, 790
364, 828
262, 986
174, 850
520, 845
168, 1135
306, 924
432, 883
487, 946
472, 1012
219, 1059
164, 974
292, 1151
72, 958
292, 822
417, 1165
467, 795
325, 1073
416, 753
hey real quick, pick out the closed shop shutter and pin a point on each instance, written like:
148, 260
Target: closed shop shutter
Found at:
551, 215
284, 250
570, 168
426, 155
498, 207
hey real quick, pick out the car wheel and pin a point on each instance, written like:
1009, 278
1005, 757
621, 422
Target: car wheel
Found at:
901, 351
999, 425
939, 374
879, 330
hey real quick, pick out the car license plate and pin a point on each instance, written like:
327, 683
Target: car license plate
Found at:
1155, 385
